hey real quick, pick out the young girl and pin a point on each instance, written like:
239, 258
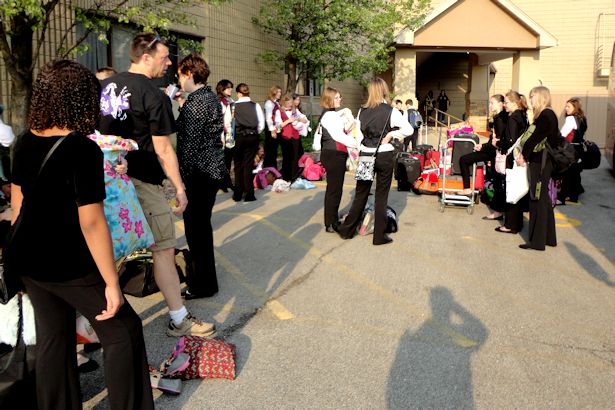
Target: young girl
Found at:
289, 140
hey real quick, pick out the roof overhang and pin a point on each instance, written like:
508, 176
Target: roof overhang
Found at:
524, 33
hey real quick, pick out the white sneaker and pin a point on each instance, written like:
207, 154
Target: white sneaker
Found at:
191, 326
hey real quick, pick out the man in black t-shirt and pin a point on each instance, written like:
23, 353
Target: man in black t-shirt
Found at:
133, 107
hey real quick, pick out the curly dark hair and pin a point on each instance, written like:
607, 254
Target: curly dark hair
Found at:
196, 65
65, 95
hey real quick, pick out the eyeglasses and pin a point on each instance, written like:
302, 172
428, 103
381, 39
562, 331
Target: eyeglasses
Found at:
153, 42
338, 97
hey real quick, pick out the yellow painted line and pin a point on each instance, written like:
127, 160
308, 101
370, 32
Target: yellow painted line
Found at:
279, 311
274, 306
94, 401
359, 278
566, 222
154, 315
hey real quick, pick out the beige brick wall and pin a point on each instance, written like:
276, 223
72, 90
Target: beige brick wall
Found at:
568, 69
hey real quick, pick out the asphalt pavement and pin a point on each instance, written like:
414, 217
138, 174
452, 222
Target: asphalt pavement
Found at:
449, 315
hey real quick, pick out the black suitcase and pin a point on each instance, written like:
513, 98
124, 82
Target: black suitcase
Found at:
461, 148
407, 170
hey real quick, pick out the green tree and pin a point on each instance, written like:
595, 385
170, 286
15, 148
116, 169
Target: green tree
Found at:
334, 39
24, 27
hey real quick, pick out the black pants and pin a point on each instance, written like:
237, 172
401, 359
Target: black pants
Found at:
411, 139
334, 163
246, 148
57, 379
571, 183
384, 173
229, 154
513, 215
201, 192
290, 158
542, 219
271, 150
466, 162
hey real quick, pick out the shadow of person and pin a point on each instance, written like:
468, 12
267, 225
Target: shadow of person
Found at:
432, 367
590, 265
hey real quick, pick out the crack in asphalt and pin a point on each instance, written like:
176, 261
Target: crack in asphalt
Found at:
246, 317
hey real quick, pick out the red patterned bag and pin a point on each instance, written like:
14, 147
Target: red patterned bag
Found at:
209, 358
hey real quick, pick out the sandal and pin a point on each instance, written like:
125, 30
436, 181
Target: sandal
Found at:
493, 218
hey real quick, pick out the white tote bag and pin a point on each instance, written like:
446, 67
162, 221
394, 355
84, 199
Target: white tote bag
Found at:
517, 185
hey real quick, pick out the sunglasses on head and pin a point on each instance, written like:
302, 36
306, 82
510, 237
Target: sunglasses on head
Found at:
153, 42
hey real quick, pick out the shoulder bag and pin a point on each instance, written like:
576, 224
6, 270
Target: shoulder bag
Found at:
365, 164
10, 284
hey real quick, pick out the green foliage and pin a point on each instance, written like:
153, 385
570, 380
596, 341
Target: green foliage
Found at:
335, 39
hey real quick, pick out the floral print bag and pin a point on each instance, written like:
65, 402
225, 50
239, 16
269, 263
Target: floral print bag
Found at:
127, 224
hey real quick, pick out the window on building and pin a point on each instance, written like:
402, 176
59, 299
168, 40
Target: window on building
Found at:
115, 52
307, 85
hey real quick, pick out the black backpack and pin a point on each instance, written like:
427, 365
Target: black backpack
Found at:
563, 155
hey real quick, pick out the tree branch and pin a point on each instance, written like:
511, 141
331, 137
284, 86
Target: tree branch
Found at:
48, 7
7, 55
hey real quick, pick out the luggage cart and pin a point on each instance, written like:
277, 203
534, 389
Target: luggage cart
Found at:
451, 196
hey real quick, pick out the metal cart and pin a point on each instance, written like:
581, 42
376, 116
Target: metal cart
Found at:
452, 196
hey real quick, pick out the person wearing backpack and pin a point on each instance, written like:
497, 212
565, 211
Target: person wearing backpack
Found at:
416, 120
542, 219
574, 131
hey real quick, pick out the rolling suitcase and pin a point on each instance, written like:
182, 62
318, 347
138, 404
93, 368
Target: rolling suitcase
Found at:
407, 170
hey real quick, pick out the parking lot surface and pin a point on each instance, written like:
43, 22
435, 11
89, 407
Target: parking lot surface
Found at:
449, 315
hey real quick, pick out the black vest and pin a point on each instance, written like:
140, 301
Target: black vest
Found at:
327, 142
246, 120
373, 121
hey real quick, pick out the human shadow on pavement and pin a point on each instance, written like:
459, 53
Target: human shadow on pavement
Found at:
432, 367
590, 265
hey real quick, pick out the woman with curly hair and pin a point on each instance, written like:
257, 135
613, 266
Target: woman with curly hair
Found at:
60, 208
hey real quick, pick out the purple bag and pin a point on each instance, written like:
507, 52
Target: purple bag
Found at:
552, 192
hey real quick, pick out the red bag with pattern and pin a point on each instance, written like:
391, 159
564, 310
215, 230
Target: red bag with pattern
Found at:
209, 358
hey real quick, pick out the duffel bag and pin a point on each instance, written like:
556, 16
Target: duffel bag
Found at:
591, 156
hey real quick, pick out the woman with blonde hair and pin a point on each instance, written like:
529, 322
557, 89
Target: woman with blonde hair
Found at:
334, 145
574, 131
516, 106
271, 132
542, 219
378, 119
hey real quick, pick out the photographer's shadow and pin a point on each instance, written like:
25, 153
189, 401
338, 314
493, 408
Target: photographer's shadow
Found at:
432, 367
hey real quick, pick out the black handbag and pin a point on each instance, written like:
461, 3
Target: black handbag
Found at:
17, 381
10, 284
563, 156
137, 272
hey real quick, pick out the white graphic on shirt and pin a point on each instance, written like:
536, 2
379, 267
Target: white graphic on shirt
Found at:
114, 104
